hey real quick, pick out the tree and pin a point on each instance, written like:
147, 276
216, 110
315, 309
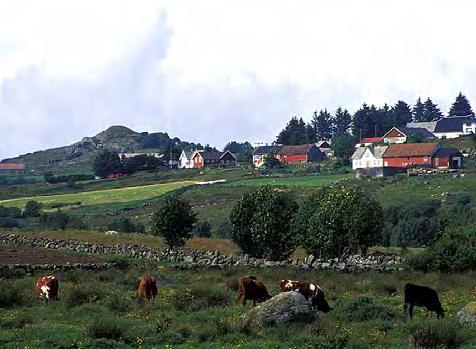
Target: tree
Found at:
322, 123
343, 146
243, 151
125, 225
142, 162
400, 114
461, 107
32, 209
365, 121
341, 219
295, 133
431, 112
343, 121
54, 220
106, 163
174, 221
270, 161
262, 221
418, 111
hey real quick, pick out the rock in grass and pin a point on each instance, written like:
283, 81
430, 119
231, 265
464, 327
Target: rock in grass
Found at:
467, 315
283, 308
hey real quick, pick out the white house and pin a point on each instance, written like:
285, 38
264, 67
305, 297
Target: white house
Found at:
368, 157
185, 160
449, 127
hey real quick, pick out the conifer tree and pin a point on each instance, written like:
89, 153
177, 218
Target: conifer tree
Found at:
418, 111
431, 112
342, 121
322, 123
461, 107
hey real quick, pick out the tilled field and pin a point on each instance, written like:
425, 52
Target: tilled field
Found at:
30, 255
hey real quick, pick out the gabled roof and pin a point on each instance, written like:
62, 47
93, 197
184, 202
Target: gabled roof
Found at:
412, 131
377, 152
11, 166
410, 150
440, 152
213, 155
323, 144
453, 124
428, 125
296, 149
187, 154
371, 140
266, 149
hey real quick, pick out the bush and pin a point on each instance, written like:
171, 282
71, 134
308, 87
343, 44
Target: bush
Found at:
366, 308
12, 294
174, 221
262, 221
109, 328
118, 303
32, 209
202, 229
436, 334
82, 294
56, 220
454, 251
200, 297
333, 220
125, 225
7, 222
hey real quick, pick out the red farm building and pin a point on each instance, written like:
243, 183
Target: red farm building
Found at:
295, 154
212, 158
421, 155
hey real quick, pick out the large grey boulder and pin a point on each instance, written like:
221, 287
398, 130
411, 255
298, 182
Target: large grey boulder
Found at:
467, 315
283, 308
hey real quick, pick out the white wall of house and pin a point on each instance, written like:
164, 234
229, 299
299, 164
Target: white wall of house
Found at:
396, 140
185, 162
368, 160
448, 134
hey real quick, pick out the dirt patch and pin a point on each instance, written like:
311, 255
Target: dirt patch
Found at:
31, 255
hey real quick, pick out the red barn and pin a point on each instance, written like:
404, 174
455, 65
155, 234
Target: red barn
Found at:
294, 154
210, 158
447, 158
408, 155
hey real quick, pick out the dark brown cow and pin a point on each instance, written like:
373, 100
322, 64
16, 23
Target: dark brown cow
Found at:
47, 288
422, 296
147, 288
250, 288
313, 293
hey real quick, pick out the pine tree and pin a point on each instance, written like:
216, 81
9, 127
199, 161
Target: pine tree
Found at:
418, 111
383, 121
431, 112
364, 122
343, 120
322, 123
461, 107
400, 114
294, 133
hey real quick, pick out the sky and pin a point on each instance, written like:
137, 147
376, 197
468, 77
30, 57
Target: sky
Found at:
219, 70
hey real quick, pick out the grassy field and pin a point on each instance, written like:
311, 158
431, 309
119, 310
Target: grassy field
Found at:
98, 197
299, 181
198, 310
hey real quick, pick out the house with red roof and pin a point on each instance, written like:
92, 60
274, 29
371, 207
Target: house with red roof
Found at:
296, 154
421, 155
202, 158
10, 168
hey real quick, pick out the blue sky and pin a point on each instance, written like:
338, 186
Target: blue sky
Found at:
214, 71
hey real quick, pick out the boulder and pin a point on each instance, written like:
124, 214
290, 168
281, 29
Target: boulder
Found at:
282, 308
467, 315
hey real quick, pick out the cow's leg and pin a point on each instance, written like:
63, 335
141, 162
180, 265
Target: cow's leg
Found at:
254, 302
410, 310
244, 300
239, 298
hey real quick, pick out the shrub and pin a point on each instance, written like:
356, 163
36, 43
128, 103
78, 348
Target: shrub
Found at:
454, 251
7, 222
334, 220
199, 297
435, 334
262, 221
55, 220
12, 294
125, 225
18, 322
202, 229
32, 209
109, 328
82, 294
366, 308
118, 303
174, 221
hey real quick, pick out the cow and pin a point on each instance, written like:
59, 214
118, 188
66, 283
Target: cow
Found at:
47, 288
312, 292
147, 288
422, 296
250, 288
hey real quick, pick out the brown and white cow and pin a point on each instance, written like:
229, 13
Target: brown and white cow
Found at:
147, 288
252, 289
47, 288
312, 292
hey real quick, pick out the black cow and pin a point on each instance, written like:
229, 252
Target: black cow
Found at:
422, 296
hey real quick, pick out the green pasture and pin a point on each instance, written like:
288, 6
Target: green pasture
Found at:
99, 197
297, 181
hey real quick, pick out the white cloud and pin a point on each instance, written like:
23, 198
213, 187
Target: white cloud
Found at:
219, 70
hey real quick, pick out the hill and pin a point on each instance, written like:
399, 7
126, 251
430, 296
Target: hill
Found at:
77, 157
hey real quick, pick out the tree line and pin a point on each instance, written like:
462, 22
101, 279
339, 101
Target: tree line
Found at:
367, 121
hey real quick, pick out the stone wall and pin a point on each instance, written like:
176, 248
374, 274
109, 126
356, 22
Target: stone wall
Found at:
189, 259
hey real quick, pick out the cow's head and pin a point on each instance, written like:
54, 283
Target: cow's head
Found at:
287, 285
262, 293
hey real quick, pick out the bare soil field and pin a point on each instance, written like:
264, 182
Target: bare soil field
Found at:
29, 255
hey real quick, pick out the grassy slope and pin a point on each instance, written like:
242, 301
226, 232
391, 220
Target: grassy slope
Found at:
104, 196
